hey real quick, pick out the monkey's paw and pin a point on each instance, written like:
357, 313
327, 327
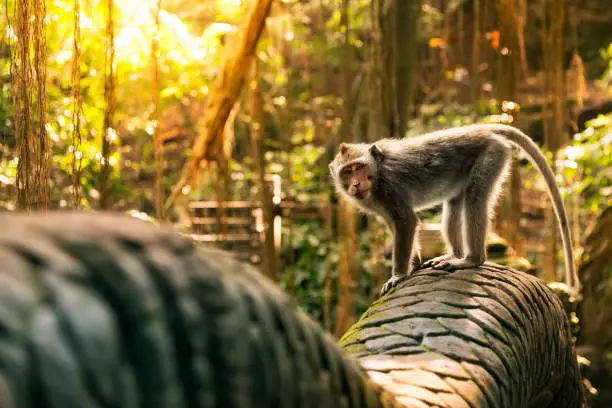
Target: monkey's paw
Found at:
455, 263
435, 261
390, 284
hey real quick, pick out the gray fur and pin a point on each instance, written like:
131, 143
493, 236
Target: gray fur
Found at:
463, 168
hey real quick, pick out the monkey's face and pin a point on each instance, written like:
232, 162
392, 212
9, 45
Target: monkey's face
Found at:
356, 179
353, 170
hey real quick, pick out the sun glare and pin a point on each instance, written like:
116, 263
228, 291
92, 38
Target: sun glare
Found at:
133, 39
228, 4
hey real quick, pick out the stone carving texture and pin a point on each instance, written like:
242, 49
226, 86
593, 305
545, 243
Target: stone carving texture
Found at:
486, 337
101, 310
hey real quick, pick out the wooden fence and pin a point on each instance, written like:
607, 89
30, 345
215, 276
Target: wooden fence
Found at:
237, 226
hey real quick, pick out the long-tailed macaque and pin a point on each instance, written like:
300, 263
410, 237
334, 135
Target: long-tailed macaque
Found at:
463, 168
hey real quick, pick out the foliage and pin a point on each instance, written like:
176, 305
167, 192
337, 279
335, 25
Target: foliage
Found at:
587, 165
607, 56
187, 64
315, 253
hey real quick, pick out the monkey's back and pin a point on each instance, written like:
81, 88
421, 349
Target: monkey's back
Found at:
433, 167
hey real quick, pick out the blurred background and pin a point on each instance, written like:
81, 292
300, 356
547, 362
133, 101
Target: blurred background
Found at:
101, 103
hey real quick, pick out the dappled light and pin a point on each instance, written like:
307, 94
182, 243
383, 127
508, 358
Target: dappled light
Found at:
287, 133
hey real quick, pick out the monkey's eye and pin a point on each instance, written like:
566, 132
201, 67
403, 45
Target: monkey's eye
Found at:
346, 172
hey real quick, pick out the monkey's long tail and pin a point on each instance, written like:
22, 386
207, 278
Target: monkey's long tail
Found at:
520, 139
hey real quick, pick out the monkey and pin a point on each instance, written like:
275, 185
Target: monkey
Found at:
463, 168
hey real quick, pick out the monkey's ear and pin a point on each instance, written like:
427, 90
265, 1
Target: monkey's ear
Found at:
343, 148
376, 153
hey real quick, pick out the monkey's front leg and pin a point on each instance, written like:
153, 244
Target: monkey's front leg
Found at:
403, 240
417, 261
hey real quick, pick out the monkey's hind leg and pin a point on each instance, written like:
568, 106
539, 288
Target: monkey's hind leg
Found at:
451, 231
482, 187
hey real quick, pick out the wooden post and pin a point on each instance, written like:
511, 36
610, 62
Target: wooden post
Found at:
268, 253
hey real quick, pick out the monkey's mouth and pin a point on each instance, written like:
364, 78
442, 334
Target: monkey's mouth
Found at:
361, 194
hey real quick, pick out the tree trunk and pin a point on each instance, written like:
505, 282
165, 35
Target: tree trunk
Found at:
268, 253
376, 126
398, 39
555, 117
223, 153
559, 117
224, 91
509, 208
322, 133
347, 248
29, 76
474, 74
285, 122
520, 33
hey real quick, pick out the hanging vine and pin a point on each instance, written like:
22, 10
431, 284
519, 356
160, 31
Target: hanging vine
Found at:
158, 144
76, 107
28, 77
22, 80
43, 150
109, 96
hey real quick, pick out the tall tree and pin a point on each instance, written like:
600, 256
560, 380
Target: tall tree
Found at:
520, 33
474, 74
347, 247
553, 109
221, 156
398, 39
376, 126
509, 62
29, 93
287, 121
322, 133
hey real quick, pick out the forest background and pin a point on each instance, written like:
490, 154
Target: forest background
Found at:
106, 105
